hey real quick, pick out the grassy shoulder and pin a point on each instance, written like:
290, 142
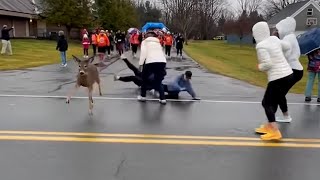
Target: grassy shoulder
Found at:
239, 62
29, 53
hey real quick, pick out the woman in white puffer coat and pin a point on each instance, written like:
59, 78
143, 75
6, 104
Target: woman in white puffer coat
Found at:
153, 60
270, 52
285, 30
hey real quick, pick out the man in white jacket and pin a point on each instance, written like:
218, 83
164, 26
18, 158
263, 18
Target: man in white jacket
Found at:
272, 60
153, 60
285, 29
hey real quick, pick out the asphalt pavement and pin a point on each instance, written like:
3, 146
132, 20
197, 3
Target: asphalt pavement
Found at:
42, 137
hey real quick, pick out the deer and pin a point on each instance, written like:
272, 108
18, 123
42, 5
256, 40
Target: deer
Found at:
87, 76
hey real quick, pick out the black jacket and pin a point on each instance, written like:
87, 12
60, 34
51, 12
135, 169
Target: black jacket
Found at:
5, 33
179, 42
120, 38
62, 44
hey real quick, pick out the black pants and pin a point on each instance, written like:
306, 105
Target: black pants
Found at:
85, 52
136, 79
179, 51
168, 50
297, 76
159, 72
275, 91
134, 48
108, 49
171, 94
120, 48
94, 48
112, 47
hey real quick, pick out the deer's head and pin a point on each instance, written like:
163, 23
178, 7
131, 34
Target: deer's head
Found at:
83, 64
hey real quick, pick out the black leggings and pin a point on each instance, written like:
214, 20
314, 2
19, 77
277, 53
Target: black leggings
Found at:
134, 48
94, 48
275, 91
159, 72
179, 51
168, 50
136, 79
297, 76
85, 52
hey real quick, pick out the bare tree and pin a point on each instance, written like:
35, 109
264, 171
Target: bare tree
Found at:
249, 5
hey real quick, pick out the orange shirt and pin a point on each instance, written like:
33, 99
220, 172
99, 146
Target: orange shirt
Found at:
168, 40
103, 40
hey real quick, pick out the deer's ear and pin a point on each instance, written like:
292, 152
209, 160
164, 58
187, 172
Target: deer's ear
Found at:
76, 59
91, 59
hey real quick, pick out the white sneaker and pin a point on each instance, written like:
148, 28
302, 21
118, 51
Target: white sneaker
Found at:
163, 101
142, 99
284, 119
152, 92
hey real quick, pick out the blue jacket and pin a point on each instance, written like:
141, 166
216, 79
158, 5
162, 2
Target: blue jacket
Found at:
180, 84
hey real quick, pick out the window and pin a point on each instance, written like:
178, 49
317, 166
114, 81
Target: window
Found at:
310, 12
311, 21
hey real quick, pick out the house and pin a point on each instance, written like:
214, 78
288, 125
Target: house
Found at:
306, 13
27, 20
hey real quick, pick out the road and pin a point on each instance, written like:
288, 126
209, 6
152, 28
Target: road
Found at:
41, 137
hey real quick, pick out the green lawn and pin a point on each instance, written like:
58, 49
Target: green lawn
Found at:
32, 53
235, 61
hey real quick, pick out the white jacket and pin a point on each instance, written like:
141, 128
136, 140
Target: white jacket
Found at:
270, 52
151, 51
286, 29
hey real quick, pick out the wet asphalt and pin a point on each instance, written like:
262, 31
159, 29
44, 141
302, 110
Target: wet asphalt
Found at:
229, 109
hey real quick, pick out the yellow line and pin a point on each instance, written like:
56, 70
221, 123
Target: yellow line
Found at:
150, 136
158, 141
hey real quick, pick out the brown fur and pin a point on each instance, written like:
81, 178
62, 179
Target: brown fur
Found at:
87, 76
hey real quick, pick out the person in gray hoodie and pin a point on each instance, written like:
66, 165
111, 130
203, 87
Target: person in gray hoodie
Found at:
271, 59
285, 31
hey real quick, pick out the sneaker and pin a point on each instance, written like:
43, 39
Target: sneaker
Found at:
116, 78
142, 99
65, 65
271, 135
152, 92
262, 129
308, 99
163, 101
284, 119
84, 56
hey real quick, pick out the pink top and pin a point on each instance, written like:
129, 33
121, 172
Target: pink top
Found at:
86, 43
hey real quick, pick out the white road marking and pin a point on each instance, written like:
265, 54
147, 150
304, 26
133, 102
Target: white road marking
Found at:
135, 99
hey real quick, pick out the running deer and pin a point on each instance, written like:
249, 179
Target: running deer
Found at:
87, 76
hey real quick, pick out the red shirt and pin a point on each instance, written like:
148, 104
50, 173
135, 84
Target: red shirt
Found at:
86, 43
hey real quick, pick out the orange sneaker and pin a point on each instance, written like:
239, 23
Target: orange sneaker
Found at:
271, 135
263, 129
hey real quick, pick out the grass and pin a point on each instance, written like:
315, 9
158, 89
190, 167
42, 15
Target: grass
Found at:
239, 62
29, 53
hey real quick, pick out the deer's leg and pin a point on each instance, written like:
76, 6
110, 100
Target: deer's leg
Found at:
71, 93
100, 93
90, 101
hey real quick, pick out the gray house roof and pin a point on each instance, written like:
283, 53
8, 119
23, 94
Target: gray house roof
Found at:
18, 6
286, 12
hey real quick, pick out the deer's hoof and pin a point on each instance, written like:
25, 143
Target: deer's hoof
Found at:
68, 101
90, 112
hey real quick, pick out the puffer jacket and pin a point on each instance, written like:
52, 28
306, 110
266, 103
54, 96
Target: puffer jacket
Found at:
270, 52
286, 29
151, 51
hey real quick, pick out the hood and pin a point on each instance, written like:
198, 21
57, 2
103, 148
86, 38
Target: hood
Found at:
286, 27
260, 31
152, 39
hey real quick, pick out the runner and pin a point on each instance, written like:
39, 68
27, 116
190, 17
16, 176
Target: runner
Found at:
168, 42
272, 60
286, 29
103, 42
